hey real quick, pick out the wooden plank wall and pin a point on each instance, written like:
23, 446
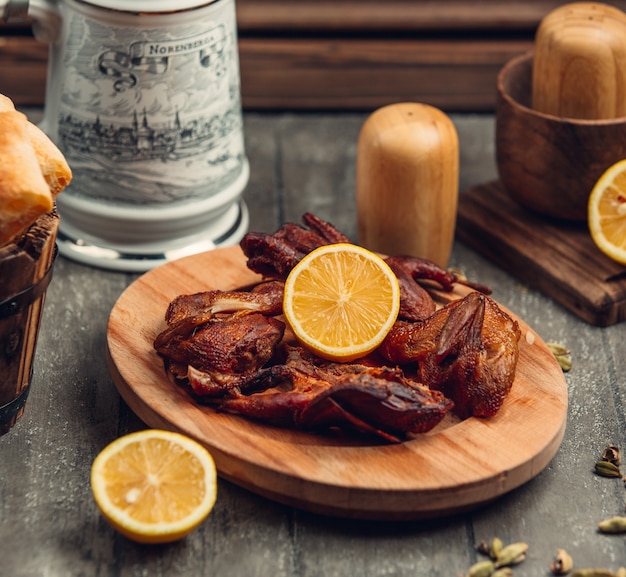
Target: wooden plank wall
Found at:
346, 54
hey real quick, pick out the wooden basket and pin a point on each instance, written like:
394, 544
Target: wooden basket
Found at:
25, 272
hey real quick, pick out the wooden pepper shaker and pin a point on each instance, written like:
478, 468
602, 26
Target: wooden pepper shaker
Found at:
579, 66
407, 182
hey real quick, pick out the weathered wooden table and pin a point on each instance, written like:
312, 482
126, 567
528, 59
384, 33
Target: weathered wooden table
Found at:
49, 525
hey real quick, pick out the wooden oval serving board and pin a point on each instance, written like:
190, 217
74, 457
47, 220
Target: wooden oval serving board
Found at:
456, 467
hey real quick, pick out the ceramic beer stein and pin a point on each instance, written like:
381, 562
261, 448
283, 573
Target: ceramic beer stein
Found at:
143, 98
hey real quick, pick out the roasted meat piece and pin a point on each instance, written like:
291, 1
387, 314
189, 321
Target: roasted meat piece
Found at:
232, 351
468, 350
221, 353
274, 255
311, 394
266, 298
415, 302
421, 268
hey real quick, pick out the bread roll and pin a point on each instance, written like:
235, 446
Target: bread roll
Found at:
52, 163
6, 103
24, 192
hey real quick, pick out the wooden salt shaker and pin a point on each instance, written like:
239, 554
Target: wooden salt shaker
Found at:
407, 182
579, 68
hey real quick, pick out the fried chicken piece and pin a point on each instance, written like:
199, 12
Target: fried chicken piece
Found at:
468, 350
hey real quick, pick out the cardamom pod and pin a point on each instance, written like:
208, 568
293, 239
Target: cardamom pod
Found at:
562, 563
613, 525
558, 349
503, 572
495, 547
511, 554
560, 353
612, 455
481, 569
607, 469
564, 363
592, 573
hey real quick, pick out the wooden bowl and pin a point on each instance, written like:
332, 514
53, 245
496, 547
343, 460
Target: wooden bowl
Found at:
549, 164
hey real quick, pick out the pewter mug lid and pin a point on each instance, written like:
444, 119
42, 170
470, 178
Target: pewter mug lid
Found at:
16, 10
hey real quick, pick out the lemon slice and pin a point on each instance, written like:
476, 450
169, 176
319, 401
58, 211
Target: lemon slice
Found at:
154, 486
341, 300
607, 212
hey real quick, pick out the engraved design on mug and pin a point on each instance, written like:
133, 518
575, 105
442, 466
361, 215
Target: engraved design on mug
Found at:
151, 116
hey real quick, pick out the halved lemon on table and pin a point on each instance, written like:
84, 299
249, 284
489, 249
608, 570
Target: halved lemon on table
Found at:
341, 300
154, 486
607, 212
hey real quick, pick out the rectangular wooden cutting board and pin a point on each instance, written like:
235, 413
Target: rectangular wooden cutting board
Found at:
558, 258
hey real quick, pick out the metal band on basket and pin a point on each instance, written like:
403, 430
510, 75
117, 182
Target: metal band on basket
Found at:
25, 298
12, 408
